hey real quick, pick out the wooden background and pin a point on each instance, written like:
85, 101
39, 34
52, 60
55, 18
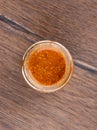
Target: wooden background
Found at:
70, 22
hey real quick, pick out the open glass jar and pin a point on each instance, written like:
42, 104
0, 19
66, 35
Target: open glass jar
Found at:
44, 62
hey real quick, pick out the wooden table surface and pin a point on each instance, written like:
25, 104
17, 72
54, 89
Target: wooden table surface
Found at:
73, 23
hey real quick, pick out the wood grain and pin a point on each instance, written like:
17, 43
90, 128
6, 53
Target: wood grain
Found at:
21, 24
72, 23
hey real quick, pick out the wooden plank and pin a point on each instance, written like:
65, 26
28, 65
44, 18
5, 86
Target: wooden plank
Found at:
21, 108
72, 23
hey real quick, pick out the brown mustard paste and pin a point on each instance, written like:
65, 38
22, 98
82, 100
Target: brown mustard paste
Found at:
47, 66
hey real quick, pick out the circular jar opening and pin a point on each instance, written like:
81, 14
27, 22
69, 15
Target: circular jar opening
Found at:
47, 66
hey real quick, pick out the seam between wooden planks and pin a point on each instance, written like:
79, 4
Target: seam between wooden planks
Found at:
19, 27
85, 66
